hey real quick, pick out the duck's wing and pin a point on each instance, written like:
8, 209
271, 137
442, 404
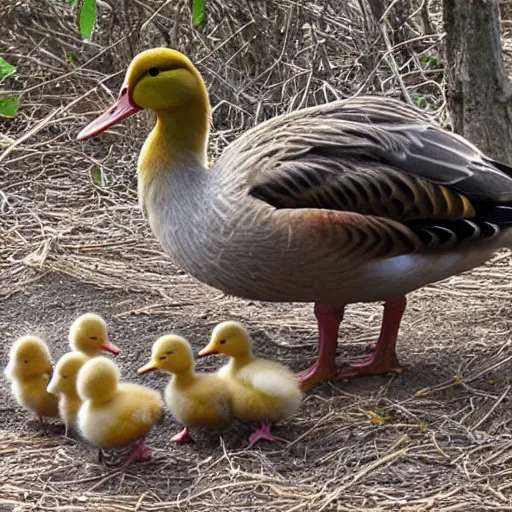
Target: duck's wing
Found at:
382, 169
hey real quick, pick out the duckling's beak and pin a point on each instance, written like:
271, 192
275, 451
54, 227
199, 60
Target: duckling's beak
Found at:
110, 347
209, 350
120, 110
150, 367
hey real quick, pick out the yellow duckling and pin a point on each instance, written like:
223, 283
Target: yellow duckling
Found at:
29, 369
196, 400
89, 334
264, 392
114, 414
63, 385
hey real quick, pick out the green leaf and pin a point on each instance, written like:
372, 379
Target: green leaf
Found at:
71, 56
6, 69
420, 101
100, 178
429, 62
87, 18
8, 107
198, 12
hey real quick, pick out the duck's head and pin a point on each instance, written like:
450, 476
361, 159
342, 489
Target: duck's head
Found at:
29, 357
170, 354
97, 380
88, 334
229, 338
66, 372
159, 79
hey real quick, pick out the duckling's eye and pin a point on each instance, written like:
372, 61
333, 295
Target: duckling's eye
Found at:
26, 362
162, 358
93, 338
222, 342
153, 71
170, 353
64, 376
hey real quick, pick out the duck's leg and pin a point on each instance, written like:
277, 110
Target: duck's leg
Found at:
261, 432
140, 452
329, 318
383, 359
183, 437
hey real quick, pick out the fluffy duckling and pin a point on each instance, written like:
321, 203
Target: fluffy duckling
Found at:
63, 385
115, 414
29, 369
264, 392
195, 400
89, 334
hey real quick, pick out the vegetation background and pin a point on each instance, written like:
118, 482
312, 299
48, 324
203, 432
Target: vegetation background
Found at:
72, 237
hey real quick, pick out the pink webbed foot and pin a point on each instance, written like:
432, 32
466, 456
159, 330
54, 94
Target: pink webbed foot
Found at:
383, 360
371, 365
317, 373
262, 432
140, 452
183, 437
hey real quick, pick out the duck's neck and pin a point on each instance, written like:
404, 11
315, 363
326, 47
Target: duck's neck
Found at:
184, 378
241, 361
179, 139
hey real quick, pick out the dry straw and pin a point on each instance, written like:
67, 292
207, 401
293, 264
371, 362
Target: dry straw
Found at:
440, 442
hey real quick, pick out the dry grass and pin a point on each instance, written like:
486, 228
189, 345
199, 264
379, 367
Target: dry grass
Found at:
70, 243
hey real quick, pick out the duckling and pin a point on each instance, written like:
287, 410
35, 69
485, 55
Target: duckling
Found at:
88, 334
29, 369
63, 385
195, 400
115, 414
264, 392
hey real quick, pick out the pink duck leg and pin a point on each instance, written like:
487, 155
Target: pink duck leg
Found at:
140, 452
183, 437
329, 318
382, 360
263, 432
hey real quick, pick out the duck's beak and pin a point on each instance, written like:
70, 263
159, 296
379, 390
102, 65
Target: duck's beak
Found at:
150, 367
209, 350
53, 387
121, 109
110, 347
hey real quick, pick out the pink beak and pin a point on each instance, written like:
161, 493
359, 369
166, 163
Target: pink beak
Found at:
121, 109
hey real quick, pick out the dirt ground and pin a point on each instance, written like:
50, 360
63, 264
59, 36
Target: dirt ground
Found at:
437, 437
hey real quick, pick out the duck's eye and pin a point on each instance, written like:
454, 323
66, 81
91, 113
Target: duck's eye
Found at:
222, 342
64, 376
26, 362
93, 338
170, 352
153, 71
162, 358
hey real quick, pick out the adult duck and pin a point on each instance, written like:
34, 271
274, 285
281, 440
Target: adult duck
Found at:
358, 200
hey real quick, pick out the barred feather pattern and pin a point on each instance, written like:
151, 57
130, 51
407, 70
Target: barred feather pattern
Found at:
356, 200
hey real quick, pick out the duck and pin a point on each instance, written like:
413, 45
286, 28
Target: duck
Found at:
264, 391
115, 414
196, 400
363, 199
29, 369
63, 386
89, 334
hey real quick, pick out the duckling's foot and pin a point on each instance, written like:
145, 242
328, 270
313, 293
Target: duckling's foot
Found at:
383, 360
263, 432
140, 452
183, 437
